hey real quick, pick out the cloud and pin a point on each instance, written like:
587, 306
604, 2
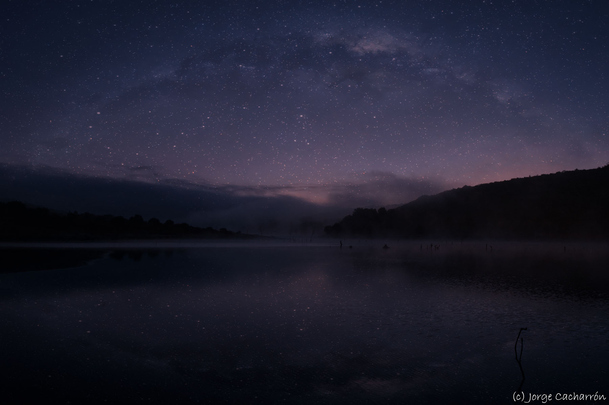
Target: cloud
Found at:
236, 208
265, 209
63, 191
378, 188
144, 172
279, 215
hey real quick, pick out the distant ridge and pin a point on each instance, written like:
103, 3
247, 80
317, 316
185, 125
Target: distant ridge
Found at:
20, 222
564, 205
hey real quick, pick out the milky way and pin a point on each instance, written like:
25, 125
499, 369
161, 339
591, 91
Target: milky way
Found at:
316, 100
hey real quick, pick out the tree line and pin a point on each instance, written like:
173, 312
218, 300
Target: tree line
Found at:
19, 222
564, 205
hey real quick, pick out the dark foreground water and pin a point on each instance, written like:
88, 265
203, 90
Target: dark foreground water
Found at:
303, 324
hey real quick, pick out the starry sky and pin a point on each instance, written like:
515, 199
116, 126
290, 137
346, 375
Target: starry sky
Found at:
333, 102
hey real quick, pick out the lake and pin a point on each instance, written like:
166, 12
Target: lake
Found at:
420, 322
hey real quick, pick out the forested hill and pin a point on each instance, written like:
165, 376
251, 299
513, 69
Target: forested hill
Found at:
565, 205
19, 222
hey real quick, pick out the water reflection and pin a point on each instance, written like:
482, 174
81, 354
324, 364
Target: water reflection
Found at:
137, 254
303, 325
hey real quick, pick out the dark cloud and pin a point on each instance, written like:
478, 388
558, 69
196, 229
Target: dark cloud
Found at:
266, 209
64, 191
236, 208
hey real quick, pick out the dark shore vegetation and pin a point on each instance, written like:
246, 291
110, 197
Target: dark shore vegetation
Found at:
19, 222
566, 205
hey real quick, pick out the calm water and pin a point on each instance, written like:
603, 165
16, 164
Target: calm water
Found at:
304, 324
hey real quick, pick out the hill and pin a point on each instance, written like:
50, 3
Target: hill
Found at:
19, 222
564, 205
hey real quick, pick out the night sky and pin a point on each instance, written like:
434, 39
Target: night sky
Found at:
340, 103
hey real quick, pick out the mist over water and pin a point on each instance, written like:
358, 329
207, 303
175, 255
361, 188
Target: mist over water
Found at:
308, 324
